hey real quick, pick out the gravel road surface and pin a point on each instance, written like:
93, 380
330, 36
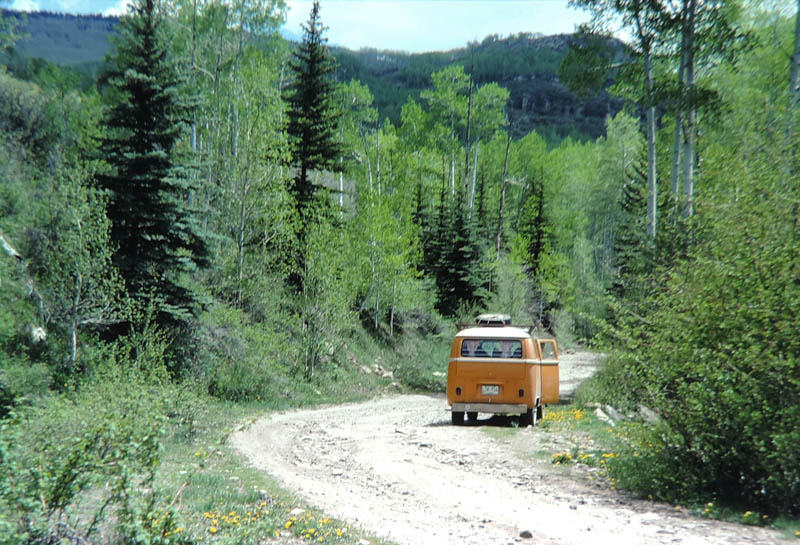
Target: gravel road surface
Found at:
397, 468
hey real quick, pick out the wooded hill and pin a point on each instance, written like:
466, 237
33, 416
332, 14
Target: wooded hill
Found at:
525, 64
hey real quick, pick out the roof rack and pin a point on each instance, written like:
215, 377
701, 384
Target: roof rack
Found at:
497, 320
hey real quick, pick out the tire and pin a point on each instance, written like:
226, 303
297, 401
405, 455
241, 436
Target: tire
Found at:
472, 416
457, 417
527, 419
541, 411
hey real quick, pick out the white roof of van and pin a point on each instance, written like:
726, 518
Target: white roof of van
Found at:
494, 333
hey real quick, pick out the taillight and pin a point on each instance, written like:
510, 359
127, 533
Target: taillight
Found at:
458, 391
521, 392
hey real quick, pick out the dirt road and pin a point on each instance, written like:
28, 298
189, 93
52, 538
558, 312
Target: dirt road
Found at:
396, 467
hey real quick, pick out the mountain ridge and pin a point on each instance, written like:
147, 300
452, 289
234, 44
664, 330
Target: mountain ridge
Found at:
525, 63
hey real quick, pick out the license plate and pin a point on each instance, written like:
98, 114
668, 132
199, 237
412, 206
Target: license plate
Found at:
490, 389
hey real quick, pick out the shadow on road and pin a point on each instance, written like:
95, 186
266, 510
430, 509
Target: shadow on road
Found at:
495, 421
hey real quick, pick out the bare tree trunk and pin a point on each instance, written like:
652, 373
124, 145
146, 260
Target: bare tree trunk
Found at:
469, 130
240, 249
794, 79
677, 144
474, 177
73, 351
394, 299
366, 158
378, 159
452, 173
377, 300
652, 192
499, 235
691, 126
194, 47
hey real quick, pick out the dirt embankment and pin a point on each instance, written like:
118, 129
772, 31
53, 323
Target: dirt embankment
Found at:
396, 467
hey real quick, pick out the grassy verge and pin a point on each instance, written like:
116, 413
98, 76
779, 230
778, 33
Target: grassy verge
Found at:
576, 441
221, 499
127, 456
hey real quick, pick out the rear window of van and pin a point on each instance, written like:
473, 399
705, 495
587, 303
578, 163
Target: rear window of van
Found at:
491, 348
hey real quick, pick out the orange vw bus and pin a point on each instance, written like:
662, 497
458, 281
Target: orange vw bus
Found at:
499, 368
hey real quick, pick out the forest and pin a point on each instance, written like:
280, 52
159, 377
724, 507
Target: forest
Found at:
223, 217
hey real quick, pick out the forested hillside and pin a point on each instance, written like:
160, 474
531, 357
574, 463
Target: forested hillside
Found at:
220, 215
525, 64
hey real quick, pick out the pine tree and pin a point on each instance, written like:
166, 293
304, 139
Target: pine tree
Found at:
533, 228
312, 115
153, 229
453, 256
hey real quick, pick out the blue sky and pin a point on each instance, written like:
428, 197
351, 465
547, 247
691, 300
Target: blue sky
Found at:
406, 25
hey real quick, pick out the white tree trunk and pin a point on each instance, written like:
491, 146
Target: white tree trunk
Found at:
394, 298
691, 124
73, 352
469, 131
794, 79
378, 160
677, 145
474, 177
652, 193
366, 159
499, 235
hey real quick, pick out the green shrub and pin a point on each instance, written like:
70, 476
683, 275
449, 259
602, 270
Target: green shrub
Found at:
650, 461
21, 381
82, 465
241, 361
421, 362
718, 358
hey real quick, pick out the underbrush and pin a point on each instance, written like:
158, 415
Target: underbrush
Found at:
651, 459
243, 361
82, 465
130, 458
126, 454
221, 499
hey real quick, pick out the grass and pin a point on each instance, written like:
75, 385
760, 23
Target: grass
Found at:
576, 441
223, 500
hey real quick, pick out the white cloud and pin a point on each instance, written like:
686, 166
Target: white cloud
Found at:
427, 25
25, 5
118, 9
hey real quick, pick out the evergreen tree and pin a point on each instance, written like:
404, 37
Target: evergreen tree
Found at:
532, 228
454, 256
153, 228
312, 114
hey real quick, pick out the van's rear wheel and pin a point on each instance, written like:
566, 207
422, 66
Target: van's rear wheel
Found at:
540, 412
527, 418
457, 417
472, 416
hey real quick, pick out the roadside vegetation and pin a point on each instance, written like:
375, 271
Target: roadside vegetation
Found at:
186, 242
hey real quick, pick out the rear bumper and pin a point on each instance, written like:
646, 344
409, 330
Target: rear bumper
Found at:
494, 408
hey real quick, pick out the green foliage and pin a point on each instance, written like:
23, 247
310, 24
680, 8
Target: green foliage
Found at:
453, 257
77, 464
712, 347
312, 113
421, 362
242, 361
324, 304
155, 232
28, 117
